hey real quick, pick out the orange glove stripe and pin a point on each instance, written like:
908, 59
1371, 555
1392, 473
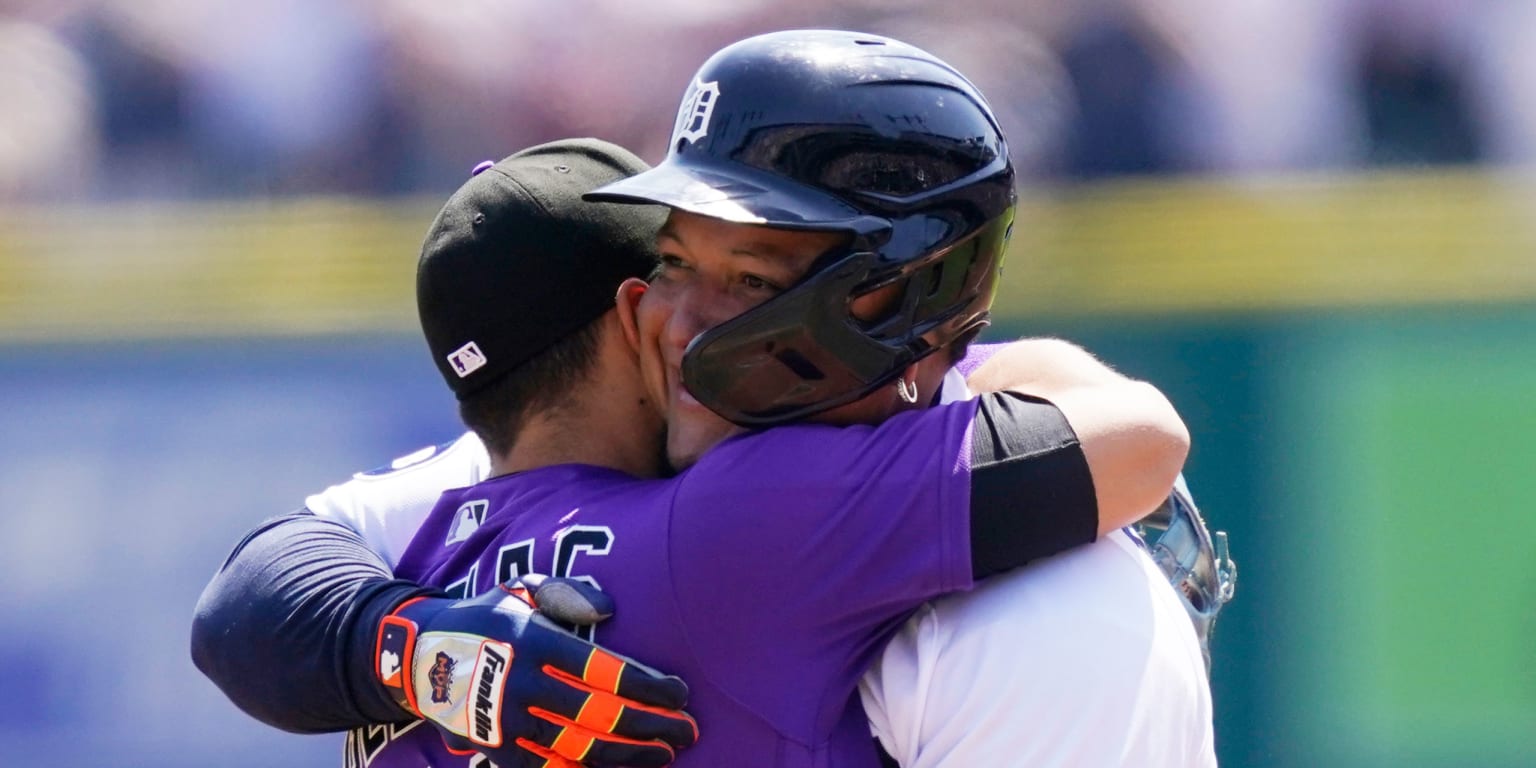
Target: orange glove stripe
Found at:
459, 752
578, 731
603, 671
551, 760
581, 685
600, 713
572, 743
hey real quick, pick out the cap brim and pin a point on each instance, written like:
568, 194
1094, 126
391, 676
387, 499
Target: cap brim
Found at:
741, 195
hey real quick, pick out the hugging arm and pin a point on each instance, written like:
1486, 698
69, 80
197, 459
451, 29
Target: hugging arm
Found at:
293, 628
1091, 449
297, 598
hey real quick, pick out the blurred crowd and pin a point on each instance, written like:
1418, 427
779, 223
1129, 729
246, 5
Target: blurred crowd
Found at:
130, 99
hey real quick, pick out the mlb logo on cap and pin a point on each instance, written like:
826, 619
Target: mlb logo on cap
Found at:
467, 359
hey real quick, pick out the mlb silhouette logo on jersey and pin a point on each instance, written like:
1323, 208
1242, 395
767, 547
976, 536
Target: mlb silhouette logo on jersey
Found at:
466, 521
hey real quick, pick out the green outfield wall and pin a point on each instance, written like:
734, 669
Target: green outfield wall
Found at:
1376, 470
1356, 359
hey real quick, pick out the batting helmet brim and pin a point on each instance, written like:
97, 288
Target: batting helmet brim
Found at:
741, 195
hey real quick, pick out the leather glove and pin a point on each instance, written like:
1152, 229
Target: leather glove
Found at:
498, 677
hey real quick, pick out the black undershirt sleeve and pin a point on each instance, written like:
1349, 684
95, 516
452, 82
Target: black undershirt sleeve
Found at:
285, 628
1031, 491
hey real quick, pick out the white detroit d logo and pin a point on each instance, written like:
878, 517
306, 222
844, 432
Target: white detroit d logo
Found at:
693, 115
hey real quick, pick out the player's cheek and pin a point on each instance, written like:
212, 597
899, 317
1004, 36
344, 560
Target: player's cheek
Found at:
650, 318
653, 311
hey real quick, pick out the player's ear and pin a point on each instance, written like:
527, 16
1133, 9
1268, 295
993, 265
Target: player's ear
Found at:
628, 303
926, 377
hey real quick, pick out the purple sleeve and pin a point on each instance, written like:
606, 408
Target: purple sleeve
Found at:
975, 355
842, 531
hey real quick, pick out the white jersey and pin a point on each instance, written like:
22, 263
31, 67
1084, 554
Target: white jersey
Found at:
1085, 659
388, 504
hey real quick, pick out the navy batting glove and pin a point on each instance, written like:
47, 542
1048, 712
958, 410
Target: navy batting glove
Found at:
495, 676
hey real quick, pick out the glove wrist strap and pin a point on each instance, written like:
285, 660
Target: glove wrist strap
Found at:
395, 653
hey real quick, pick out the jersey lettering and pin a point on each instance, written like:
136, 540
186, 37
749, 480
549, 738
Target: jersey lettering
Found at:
464, 588
578, 539
514, 560
364, 744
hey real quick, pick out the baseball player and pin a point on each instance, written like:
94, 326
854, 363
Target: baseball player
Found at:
1102, 621
696, 234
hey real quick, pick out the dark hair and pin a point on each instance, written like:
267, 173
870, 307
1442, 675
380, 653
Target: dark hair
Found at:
499, 412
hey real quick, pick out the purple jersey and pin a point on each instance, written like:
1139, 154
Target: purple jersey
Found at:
768, 576
975, 356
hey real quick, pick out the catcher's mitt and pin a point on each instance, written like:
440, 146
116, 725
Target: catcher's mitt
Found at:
1196, 561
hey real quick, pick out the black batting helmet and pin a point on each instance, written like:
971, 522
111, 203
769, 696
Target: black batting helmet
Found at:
842, 132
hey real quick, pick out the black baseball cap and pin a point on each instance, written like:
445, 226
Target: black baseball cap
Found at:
516, 260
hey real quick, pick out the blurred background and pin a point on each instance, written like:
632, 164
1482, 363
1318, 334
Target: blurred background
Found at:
1313, 223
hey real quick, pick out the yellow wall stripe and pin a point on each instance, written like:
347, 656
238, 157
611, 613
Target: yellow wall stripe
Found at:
1156, 246
1300, 242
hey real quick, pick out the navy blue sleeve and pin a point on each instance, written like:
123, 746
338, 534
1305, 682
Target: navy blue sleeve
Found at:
287, 626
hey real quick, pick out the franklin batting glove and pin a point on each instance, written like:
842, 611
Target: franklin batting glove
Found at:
495, 676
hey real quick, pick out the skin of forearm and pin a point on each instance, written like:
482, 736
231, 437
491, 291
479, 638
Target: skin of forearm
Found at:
1042, 367
1132, 436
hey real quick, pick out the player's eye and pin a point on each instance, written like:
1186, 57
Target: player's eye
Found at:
669, 263
756, 283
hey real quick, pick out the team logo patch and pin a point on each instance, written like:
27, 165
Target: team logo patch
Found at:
466, 521
467, 359
490, 674
441, 677
693, 115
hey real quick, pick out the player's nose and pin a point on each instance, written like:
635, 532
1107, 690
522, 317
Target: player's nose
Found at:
694, 313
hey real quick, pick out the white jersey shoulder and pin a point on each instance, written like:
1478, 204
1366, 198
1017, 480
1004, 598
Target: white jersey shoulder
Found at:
388, 504
1085, 659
